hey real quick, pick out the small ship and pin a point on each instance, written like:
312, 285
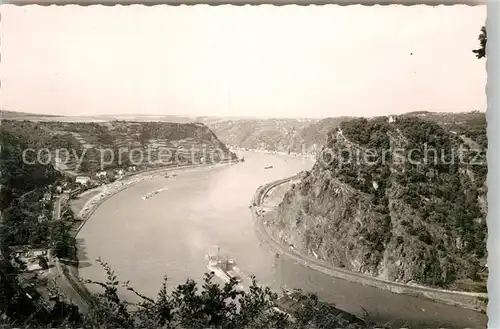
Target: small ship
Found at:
268, 167
224, 268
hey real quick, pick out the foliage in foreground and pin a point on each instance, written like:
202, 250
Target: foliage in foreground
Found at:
187, 306
212, 306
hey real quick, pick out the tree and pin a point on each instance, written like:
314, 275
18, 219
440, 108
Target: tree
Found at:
483, 38
67, 213
42, 261
63, 243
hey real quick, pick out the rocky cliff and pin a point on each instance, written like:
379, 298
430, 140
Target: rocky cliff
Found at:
302, 136
402, 199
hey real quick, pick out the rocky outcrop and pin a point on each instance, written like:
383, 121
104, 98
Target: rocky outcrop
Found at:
372, 205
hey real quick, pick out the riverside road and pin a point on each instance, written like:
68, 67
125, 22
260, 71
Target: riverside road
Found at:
458, 298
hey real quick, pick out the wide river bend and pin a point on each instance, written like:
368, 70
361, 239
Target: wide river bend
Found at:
171, 232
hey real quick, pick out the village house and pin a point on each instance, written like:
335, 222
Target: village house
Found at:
82, 180
29, 256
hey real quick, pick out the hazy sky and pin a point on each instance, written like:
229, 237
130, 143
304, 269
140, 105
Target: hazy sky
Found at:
314, 61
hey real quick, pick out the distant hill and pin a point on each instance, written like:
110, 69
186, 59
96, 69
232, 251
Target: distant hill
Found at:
280, 135
308, 135
11, 115
113, 144
23, 115
294, 135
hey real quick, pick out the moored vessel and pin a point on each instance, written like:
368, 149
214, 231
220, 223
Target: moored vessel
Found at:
224, 268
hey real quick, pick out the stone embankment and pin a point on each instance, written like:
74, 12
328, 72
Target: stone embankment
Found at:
469, 300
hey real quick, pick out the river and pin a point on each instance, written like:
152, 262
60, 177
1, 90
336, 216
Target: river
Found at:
170, 233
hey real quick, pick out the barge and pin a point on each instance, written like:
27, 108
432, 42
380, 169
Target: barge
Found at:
150, 195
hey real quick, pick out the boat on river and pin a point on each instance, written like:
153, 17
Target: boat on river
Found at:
150, 195
224, 268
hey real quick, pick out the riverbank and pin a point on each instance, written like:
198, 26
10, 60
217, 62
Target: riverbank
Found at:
109, 190
69, 269
473, 301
